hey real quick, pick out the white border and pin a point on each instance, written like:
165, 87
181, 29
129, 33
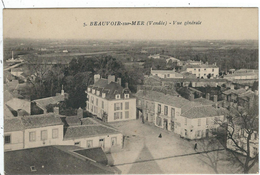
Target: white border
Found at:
100, 4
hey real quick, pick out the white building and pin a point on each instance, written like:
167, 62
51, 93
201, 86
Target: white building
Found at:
203, 70
166, 73
191, 120
243, 74
109, 101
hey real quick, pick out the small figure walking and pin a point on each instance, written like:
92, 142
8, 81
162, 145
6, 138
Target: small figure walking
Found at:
160, 136
195, 146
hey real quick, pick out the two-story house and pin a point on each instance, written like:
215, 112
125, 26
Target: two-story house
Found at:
202, 70
109, 101
191, 120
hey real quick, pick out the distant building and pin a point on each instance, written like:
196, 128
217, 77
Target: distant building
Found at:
202, 70
243, 74
166, 73
41, 104
109, 101
57, 160
191, 120
155, 56
65, 51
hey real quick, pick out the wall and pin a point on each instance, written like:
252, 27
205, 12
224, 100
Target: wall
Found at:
38, 142
95, 139
132, 109
192, 127
16, 141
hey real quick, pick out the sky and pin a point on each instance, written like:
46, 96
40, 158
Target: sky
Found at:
216, 23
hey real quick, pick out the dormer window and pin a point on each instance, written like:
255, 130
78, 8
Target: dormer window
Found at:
98, 92
126, 95
89, 89
103, 95
93, 91
117, 96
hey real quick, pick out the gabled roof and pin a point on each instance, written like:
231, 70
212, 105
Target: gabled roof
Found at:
174, 101
204, 111
13, 124
234, 91
42, 120
89, 128
43, 102
52, 160
17, 104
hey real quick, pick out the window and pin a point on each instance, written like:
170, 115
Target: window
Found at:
89, 143
118, 106
199, 70
32, 168
172, 113
95, 109
126, 105
103, 95
113, 141
55, 133
7, 139
118, 96
32, 136
212, 70
98, 92
165, 110
89, 89
159, 108
92, 100
168, 75
93, 91
102, 143
117, 115
186, 121
92, 108
96, 102
77, 143
199, 122
126, 114
44, 135
207, 121
198, 133
126, 95
103, 104
255, 151
255, 136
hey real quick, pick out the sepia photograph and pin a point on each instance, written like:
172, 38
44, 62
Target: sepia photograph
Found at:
131, 91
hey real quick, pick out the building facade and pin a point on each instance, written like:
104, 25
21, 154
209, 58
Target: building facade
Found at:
203, 70
109, 101
166, 73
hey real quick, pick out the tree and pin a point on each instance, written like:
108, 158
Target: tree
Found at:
210, 152
241, 127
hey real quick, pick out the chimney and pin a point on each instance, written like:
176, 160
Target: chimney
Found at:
207, 96
96, 77
62, 91
111, 78
191, 97
119, 81
215, 98
126, 85
56, 110
80, 113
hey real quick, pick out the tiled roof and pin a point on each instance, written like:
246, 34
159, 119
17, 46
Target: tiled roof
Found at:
42, 120
7, 96
163, 71
234, 91
7, 112
88, 131
204, 111
200, 66
16, 104
51, 160
110, 89
174, 101
96, 154
43, 102
203, 101
13, 124
73, 120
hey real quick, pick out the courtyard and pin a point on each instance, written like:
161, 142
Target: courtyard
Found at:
145, 153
